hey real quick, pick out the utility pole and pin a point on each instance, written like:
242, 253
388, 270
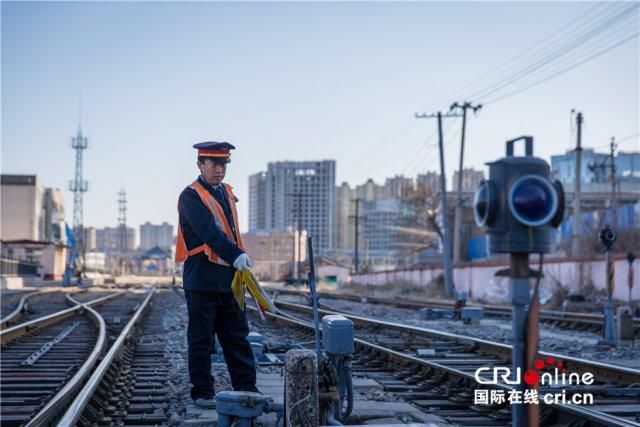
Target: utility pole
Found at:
614, 198
446, 234
600, 171
457, 229
630, 258
356, 217
575, 242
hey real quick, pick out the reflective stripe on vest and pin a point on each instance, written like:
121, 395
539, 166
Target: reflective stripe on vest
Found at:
182, 253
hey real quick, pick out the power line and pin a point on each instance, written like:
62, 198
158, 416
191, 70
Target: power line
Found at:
628, 137
426, 149
571, 57
416, 146
537, 63
576, 55
395, 133
502, 69
390, 150
564, 49
431, 156
562, 71
405, 126
619, 141
578, 40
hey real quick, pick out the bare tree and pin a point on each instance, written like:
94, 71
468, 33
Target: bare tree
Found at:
418, 228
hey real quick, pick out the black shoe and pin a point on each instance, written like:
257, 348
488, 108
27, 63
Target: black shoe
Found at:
205, 402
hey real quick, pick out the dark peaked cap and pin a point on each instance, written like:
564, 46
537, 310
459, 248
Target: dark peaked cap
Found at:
213, 149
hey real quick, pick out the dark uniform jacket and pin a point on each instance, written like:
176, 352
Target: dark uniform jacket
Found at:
198, 226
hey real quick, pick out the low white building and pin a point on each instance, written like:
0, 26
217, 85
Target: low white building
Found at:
48, 259
32, 229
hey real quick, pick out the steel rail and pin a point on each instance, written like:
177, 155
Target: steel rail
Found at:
583, 412
15, 331
547, 315
600, 370
292, 319
57, 404
17, 312
75, 409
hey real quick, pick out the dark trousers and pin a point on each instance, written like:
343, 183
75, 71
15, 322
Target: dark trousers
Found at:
218, 313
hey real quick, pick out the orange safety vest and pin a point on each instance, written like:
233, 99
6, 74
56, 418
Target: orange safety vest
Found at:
182, 253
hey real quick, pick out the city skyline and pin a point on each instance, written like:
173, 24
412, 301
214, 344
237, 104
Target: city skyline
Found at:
286, 82
451, 184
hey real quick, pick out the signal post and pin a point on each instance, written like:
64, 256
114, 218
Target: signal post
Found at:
517, 206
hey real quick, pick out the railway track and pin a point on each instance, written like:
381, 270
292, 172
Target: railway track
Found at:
130, 386
18, 305
10, 300
442, 381
45, 360
562, 319
68, 384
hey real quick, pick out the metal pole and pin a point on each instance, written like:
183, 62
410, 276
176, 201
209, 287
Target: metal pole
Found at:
614, 201
446, 235
609, 315
630, 281
314, 298
630, 258
520, 298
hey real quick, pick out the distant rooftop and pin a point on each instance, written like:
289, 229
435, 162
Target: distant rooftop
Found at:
18, 179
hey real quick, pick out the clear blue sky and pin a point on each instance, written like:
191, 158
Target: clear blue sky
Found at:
283, 81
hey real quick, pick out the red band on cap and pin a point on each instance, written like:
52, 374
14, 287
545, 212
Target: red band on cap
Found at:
204, 152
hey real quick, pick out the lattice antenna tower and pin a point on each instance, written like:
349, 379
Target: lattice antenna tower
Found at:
78, 187
122, 218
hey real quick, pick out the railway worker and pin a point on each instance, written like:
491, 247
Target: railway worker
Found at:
210, 245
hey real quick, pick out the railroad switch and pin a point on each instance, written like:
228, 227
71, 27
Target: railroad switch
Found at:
625, 323
238, 408
461, 302
471, 315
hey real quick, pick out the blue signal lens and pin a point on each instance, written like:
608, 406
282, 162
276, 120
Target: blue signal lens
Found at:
533, 201
481, 204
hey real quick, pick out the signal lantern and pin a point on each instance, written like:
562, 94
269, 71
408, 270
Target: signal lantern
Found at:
519, 204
